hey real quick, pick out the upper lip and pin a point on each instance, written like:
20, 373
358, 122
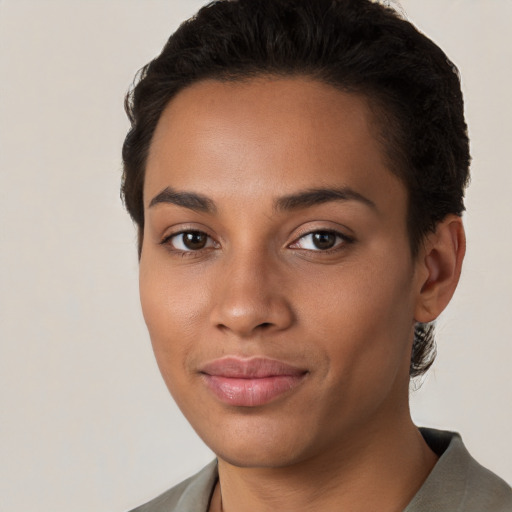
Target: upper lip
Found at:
255, 368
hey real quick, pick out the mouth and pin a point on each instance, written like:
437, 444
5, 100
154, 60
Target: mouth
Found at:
250, 382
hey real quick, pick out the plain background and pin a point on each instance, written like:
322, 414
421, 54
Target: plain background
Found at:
86, 422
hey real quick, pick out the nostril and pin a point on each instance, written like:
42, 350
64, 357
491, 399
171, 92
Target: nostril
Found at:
265, 325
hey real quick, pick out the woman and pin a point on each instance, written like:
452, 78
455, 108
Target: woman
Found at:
296, 170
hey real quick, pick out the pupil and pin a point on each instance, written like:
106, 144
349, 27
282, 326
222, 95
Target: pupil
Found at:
194, 240
324, 240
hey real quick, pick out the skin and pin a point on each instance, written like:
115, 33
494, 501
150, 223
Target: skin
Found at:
260, 287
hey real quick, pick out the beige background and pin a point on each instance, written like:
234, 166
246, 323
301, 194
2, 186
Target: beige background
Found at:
86, 423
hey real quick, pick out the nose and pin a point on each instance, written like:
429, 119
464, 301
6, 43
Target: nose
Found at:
250, 298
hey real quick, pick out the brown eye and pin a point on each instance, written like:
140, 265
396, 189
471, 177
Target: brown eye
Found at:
323, 239
194, 240
188, 241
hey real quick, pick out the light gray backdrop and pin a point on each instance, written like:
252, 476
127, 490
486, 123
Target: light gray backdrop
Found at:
86, 422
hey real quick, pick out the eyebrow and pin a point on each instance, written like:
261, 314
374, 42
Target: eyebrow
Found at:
304, 199
190, 200
316, 196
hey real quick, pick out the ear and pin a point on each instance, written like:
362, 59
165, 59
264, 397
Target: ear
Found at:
438, 268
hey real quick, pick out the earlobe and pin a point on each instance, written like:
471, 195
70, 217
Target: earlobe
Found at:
440, 263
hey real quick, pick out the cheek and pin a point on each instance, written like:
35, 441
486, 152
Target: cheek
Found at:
363, 319
173, 307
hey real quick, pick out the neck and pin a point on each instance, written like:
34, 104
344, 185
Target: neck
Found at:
375, 469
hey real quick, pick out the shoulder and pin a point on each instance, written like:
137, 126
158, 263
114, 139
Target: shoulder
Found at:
191, 494
485, 490
458, 481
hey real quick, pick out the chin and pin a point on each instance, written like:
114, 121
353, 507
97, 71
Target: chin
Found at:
259, 443
255, 457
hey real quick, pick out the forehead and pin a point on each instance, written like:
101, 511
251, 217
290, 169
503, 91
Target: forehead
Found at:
267, 137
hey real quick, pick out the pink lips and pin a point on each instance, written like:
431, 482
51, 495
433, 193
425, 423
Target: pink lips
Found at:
250, 382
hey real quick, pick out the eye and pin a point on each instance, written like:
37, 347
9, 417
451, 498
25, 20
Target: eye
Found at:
320, 241
188, 241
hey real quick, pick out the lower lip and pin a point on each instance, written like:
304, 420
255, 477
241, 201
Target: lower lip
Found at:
251, 392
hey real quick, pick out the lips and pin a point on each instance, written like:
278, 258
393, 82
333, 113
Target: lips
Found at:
250, 382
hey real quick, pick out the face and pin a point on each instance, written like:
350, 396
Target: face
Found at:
276, 276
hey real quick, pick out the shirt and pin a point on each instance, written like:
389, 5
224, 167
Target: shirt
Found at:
456, 484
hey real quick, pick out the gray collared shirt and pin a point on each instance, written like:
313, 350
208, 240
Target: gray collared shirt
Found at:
456, 484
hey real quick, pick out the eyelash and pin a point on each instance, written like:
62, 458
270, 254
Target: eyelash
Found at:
343, 240
167, 241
